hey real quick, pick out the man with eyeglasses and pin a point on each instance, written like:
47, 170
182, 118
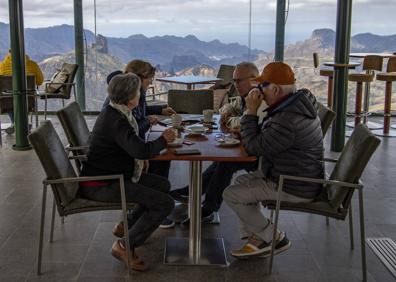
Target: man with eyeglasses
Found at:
231, 113
219, 174
289, 142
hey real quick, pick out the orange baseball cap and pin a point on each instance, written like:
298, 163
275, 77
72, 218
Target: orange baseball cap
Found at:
277, 73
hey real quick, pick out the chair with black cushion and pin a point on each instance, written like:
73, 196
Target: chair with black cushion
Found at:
76, 130
190, 101
63, 180
63, 90
326, 117
343, 181
6, 99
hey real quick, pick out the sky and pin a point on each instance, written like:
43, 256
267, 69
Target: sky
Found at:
226, 20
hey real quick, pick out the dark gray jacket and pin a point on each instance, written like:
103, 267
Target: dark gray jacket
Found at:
290, 142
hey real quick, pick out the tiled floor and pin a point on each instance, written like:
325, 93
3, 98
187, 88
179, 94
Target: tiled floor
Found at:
80, 251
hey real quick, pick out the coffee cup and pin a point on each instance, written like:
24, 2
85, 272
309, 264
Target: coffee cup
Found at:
207, 115
176, 120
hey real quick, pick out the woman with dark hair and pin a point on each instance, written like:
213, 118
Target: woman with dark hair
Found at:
146, 115
116, 148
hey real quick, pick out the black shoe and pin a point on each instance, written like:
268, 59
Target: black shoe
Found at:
179, 195
167, 223
206, 217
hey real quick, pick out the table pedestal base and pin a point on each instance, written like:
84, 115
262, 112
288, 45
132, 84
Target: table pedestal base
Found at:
380, 132
370, 125
212, 252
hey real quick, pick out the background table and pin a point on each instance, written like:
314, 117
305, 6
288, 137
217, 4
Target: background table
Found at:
362, 55
194, 250
189, 80
350, 65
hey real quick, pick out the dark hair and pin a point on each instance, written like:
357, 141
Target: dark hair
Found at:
141, 68
111, 75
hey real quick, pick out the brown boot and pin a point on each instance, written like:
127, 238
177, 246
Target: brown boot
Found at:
118, 230
119, 252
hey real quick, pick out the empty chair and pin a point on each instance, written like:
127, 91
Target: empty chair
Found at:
389, 77
326, 72
61, 86
225, 73
6, 99
63, 180
344, 179
190, 101
370, 64
326, 117
76, 130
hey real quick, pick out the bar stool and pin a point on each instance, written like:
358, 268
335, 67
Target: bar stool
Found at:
371, 63
359, 78
389, 76
329, 73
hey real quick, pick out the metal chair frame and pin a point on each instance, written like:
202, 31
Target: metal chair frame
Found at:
346, 185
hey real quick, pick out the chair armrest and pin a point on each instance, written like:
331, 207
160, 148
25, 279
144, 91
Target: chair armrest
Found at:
348, 185
76, 148
330, 160
78, 157
29, 92
82, 179
59, 83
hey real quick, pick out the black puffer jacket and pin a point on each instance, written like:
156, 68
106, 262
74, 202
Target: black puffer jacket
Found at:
290, 142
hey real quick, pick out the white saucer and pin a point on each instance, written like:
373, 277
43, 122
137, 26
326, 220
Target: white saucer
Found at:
176, 143
196, 129
229, 143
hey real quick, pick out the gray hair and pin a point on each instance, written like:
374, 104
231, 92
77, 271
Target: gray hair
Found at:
287, 89
249, 67
123, 88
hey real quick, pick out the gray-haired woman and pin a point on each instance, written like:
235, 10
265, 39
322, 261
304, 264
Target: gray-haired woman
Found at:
116, 148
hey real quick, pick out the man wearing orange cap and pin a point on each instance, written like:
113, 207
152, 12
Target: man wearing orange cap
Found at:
219, 174
289, 142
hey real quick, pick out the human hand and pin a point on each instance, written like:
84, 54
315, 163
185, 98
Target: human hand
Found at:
169, 135
236, 132
168, 111
153, 119
253, 101
224, 118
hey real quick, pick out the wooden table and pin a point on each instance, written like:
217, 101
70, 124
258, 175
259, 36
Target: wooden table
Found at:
350, 65
363, 55
189, 80
194, 250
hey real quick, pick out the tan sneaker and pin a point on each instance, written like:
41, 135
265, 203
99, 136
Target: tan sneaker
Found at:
118, 230
252, 249
119, 252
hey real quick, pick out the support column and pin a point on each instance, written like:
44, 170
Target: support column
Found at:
280, 30
341, 56
18, 75
79, 51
